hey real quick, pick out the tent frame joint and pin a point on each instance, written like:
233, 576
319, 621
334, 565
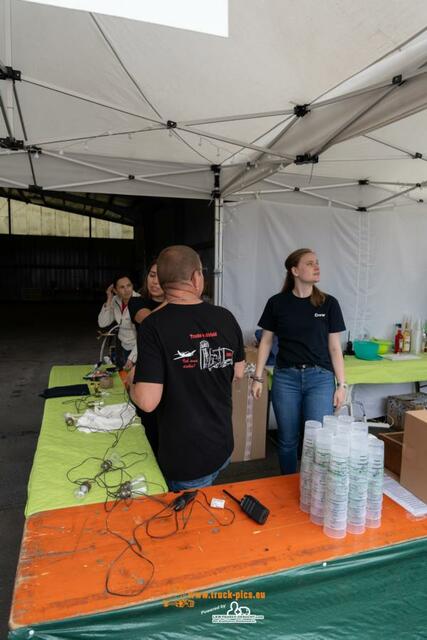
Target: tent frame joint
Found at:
362, 209
9, 73
35, 188
307, 158
363, 183
33, 148
300, 110
398, 80
216, 191
12, 144
417, 155
171, 124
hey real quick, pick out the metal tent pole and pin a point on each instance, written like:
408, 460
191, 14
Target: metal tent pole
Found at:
218, 212
218, 269
8, 54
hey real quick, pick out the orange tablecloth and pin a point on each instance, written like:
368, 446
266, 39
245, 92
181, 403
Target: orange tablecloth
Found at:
66, 553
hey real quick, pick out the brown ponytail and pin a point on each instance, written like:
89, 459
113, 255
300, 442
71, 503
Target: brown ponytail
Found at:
317, 297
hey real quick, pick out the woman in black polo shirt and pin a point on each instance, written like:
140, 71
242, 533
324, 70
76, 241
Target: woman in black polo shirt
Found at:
308, 380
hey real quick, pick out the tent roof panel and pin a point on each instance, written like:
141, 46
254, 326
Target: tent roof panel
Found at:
277, 54
65, 48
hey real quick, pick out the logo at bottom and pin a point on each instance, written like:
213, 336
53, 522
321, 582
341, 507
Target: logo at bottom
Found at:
237, 615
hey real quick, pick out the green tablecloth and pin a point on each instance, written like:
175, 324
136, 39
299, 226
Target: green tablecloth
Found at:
59, 449
380, 371
384, 371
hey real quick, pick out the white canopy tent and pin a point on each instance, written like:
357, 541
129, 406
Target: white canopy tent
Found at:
309, 119
130, 107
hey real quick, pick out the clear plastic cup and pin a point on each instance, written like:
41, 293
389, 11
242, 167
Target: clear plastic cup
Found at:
337, 487
358, 487
312, 424
322, 456
343, 430
359, 427
307, 458
375, 483
330, 423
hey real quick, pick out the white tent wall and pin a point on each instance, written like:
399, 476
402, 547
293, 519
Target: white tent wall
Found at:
373, 262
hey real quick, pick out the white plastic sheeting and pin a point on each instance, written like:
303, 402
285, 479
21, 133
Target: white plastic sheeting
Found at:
373, 262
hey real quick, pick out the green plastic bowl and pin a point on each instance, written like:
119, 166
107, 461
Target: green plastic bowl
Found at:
383, 345
366, 350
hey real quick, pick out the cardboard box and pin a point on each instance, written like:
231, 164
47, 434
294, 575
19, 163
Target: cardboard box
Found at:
393, 444
397, 406
413, 473
251, 354
249, 421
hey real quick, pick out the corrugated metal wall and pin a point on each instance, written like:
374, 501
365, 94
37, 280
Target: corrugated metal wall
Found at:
39, 268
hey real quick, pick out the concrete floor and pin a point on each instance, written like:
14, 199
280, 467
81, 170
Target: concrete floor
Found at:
33, 338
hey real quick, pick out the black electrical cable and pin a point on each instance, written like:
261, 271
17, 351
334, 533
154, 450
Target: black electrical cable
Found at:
135, 545
132, 545
208, 508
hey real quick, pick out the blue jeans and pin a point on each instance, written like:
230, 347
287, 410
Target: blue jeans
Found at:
299, 395
199, 483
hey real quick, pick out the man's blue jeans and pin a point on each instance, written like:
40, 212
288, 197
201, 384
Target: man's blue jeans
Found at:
199, 483
299, 395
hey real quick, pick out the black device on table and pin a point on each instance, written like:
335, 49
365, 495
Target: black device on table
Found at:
252, 507
181, 501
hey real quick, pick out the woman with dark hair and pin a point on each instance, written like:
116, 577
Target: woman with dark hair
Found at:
115, 309
152, 296
309, 378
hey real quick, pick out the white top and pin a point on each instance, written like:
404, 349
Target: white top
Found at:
127, 331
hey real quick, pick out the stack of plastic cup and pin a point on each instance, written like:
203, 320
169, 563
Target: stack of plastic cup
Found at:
307, 459
358, 489
345, 419
330, 423
322, 454
337, 486
375, 482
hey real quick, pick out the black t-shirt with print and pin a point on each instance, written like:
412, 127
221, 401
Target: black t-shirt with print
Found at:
302, 329
191, 350
137, 303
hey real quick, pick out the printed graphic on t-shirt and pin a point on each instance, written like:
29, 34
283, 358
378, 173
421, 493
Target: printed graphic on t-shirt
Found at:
209, 357
184, 354
214, 358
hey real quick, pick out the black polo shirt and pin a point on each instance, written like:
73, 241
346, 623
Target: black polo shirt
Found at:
302, 329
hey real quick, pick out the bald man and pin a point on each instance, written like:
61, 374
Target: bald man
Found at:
189, 352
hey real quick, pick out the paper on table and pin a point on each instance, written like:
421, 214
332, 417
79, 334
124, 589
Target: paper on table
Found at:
405, 498
401, 356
